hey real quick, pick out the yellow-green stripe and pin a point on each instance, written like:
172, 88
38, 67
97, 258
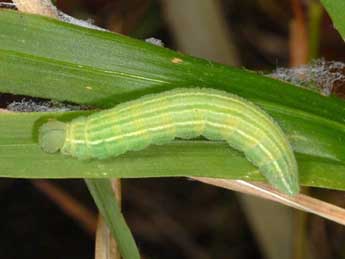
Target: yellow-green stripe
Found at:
187, 113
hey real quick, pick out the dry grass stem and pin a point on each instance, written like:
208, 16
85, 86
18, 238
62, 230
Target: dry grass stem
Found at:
299, 46
105, 246
299, 201
70, 206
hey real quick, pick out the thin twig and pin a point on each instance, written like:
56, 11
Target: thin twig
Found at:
161, 224
68, 205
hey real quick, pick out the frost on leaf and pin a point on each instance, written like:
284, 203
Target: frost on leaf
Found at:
87, 24
155, 41
320, 76
7, 5
43, 106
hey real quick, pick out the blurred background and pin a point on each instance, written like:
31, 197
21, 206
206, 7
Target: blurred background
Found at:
179, 218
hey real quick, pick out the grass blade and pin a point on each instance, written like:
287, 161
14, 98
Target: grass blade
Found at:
108, 206
21, 157
336, 9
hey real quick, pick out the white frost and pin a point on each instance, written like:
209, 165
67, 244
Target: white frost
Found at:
45, 106
155, 41
87, 24
319, 75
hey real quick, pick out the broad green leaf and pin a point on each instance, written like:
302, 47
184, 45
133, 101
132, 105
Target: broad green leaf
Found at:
47, 58
336, 9
21, 157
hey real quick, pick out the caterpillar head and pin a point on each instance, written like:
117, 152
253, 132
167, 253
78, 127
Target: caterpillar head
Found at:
52, 136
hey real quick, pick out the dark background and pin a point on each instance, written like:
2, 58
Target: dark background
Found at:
180, 218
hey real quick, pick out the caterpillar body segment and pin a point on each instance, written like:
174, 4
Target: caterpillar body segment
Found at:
180, 113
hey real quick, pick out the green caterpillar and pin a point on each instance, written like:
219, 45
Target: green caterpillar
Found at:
180, 113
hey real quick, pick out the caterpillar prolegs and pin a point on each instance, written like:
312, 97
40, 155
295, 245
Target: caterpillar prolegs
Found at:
180, 113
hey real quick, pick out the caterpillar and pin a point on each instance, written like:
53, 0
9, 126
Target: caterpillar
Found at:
181, 113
